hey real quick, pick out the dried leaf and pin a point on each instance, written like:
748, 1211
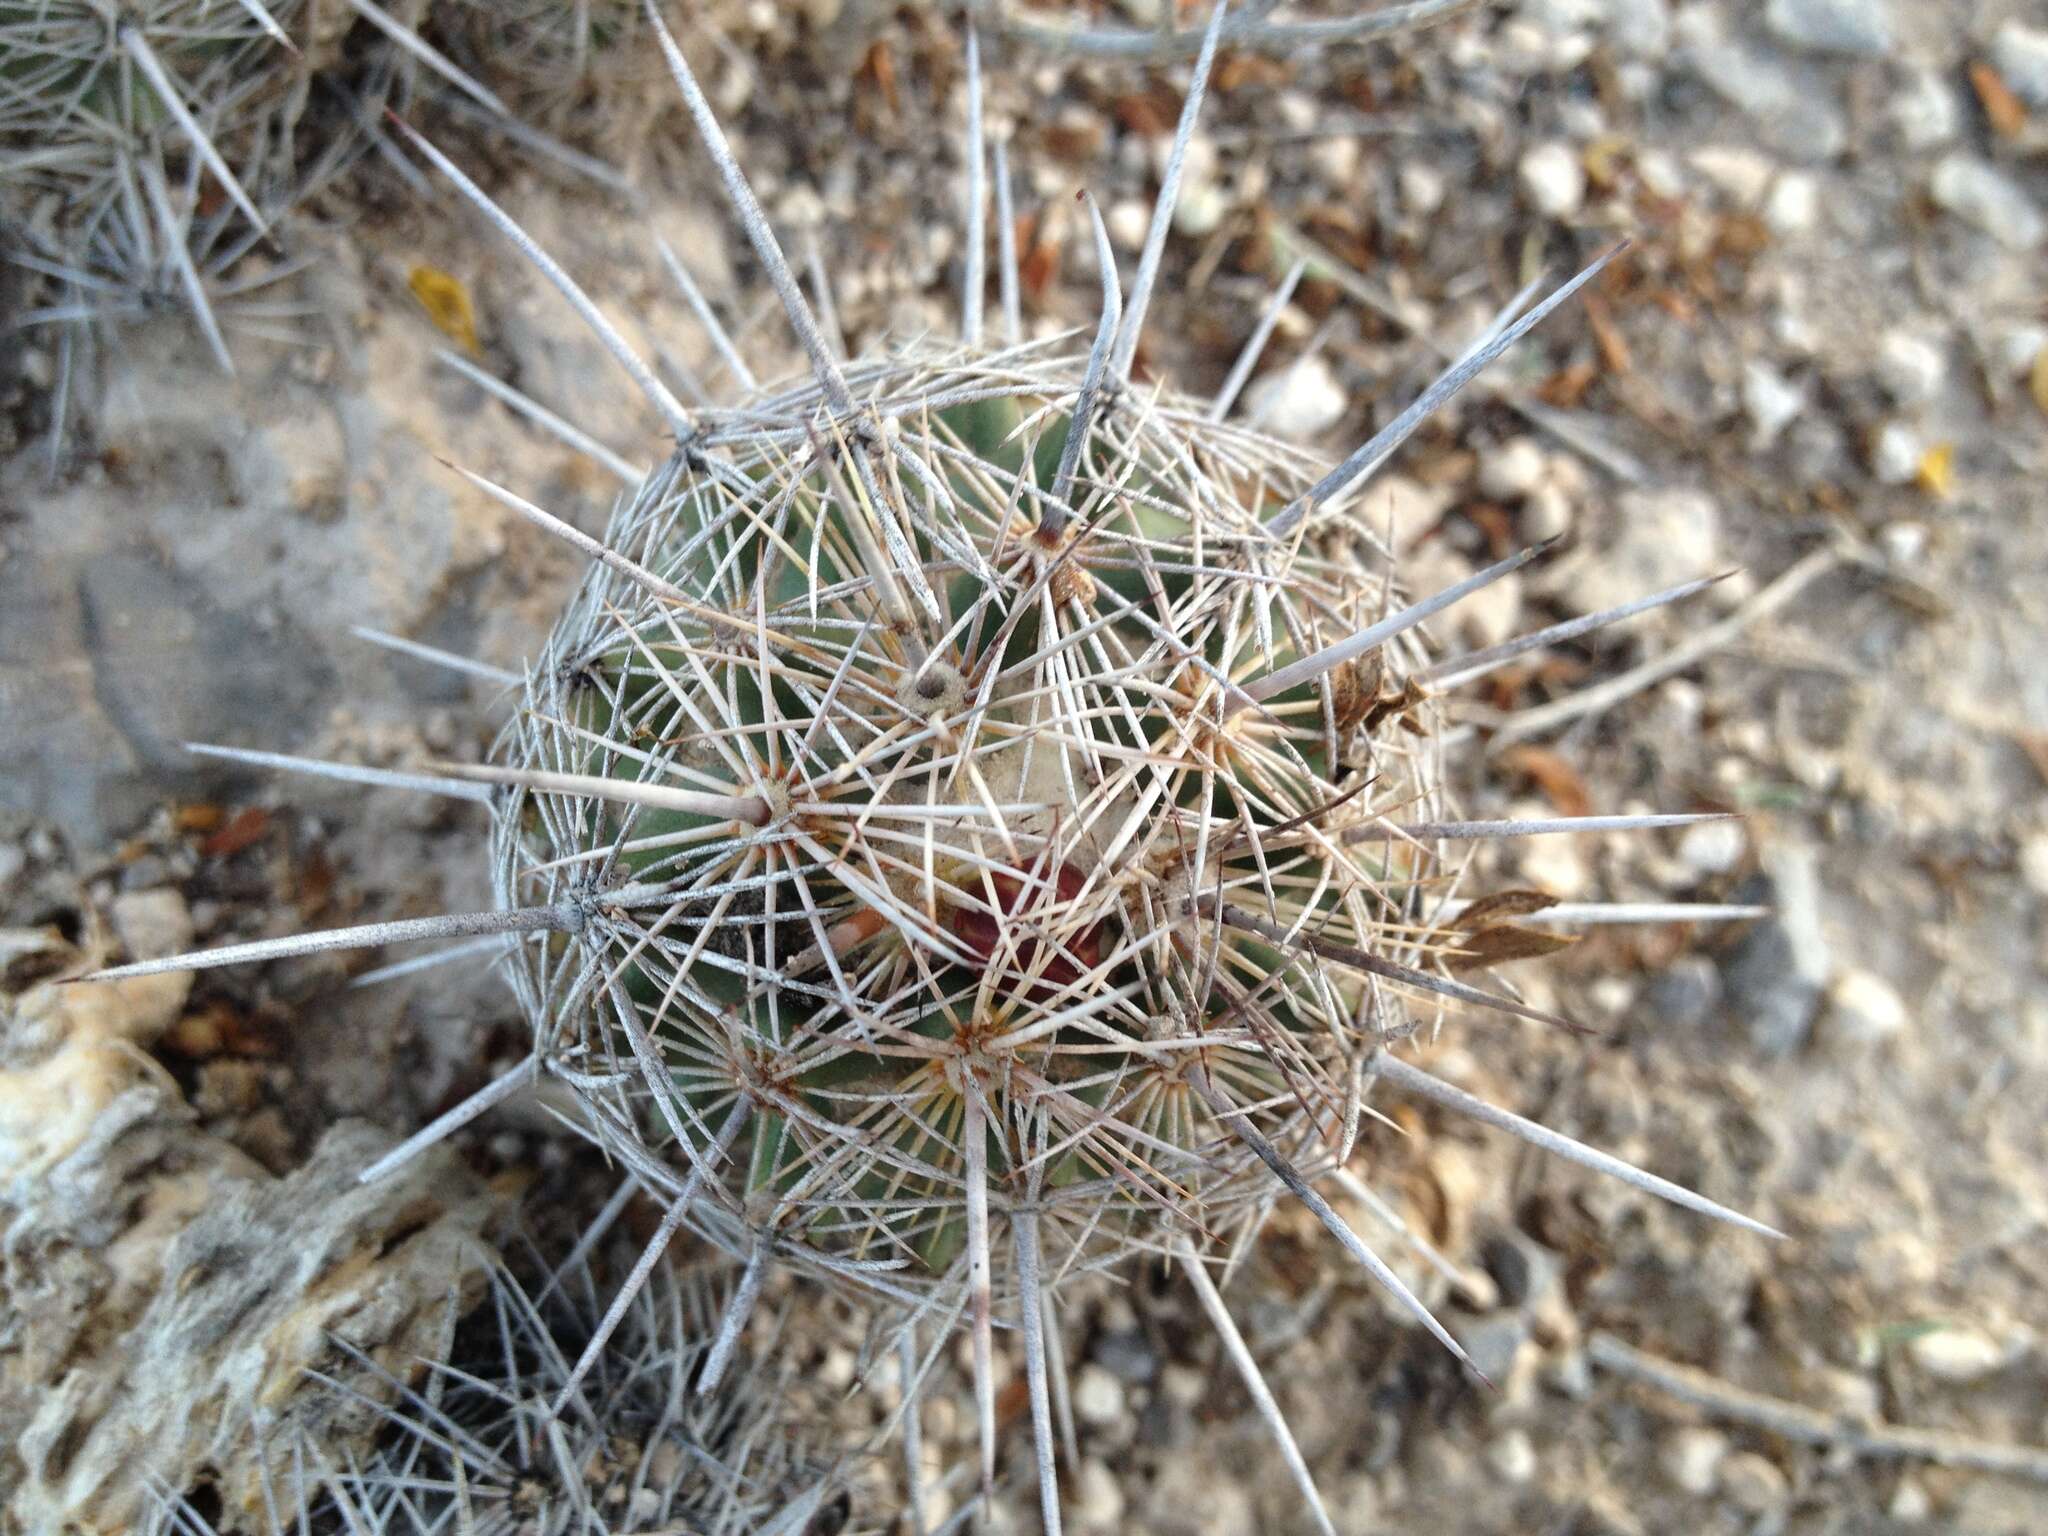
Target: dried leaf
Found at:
203, 816
1607, 335
447, 304
2037, 381
2006, 113
878, 69
1554, 776
242, 829
1495, 946
1503, 904
1937, 472
2035, 745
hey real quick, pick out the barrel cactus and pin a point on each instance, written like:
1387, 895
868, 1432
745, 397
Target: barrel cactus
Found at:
980, 816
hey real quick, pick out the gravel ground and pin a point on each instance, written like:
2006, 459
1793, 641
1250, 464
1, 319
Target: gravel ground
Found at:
1825, 353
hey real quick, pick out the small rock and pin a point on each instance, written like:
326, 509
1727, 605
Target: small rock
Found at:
1909, 1503
1685, 993
1301, 401
1553, 181
1691, 1458
1895, 453
1422, 187
1926, 112
1547, 514
1771, 401
1495, 1344
1098, 1396
1860, 28
1753, 1483
1661, 538
1904, 542
2033, 862
1127, 221
1097, 1497
1513, 470
1792, 206
1776, 975
1513, 1456
1981, 195
1401, 510
1958, 1355
1791, 116
2021, 56
1743, 175
152, 924
1523, 1268
1910, 366
1865, 1009
1660, 174
1201, 210
1640, 28
1713, 847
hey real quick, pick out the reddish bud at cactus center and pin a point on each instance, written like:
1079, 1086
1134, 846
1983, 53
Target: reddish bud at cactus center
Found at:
1025, 953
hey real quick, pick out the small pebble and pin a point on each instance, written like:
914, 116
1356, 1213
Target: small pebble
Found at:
1909, 1503
1640, 28
1127, 221
1771, 401
1098, 1396
1895, 453
1300, 401
1753, 1483
1202, 210
2020, 54
1792, 206
1713, 847
1691, 1458
1958, 1355
1685, 993
1865, 1009
1422, 187
1860, 28
1904, 542
1513, 1456
2034, 862
1925, 112
1512, 470
1742, 174
1553, 181
1981, 195
1097, 1498
1910, 365
1547, 514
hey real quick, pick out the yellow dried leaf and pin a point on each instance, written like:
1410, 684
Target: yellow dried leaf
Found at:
2037, 381
1507, 941
1937, 472
447, 304
1503, 904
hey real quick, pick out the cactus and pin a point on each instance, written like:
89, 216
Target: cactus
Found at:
672, 1428
979, 818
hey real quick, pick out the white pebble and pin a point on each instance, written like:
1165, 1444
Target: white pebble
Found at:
1903, 542
1864, 1009
1547, 514
1098, 1396
1712, 847
1098, 1498
1925, 112
1512, 470
1910, 366
1692, 1457
1861, 28
1127, 221
1640, 28
1201, 211
1513, 1456
2021, 55
1792, 207
1422, 187
1978, 193
1910, 1503
1771, 401
1301, 401
1553, 181
1956, 1355
1895, 453
1743, 174
2034, 862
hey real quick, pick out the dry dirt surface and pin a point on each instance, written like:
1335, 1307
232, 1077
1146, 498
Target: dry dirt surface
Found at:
1823, 361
